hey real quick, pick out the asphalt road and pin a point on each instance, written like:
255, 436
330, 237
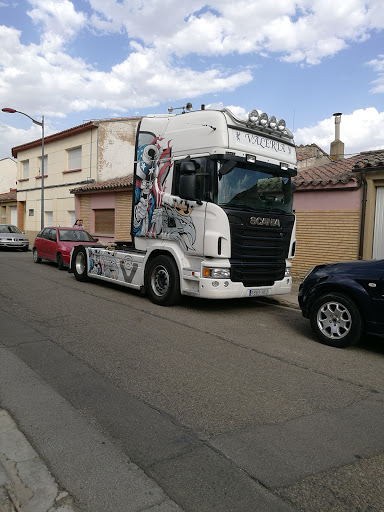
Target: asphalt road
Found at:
226, 406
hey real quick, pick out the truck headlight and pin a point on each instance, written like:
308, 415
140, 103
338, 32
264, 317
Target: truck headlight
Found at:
217, 273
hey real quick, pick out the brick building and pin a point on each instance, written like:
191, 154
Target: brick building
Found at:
106, 207
328, 202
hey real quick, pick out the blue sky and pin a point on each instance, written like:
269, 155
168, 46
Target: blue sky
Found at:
299, 60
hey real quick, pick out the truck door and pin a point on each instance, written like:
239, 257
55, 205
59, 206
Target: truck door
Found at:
189, 187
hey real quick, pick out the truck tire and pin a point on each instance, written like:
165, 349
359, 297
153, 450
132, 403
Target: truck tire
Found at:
336, 320
79, 263
162, 282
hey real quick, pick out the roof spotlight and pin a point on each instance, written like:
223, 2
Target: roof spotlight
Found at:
263, 119
288, 133
272, 122
253, 117
281, 125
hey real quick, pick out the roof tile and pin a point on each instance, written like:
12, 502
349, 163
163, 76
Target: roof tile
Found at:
112, 184
338, 173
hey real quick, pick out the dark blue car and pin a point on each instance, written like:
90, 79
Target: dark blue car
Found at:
344, 300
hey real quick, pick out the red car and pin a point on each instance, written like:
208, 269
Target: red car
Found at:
55, 244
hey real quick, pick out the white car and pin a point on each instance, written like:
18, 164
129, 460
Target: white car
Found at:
12, 238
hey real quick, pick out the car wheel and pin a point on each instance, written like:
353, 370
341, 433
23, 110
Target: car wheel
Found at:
25, 248
79, 264
60, 262
336, 320
162, 282
36, 257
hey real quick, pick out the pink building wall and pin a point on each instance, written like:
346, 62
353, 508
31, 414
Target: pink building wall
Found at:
327, 200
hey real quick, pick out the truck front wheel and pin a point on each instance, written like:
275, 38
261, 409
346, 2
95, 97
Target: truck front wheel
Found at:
162, 282
79, 263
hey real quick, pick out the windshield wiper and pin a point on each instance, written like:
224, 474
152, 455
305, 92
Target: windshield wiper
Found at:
237, 206
277, 210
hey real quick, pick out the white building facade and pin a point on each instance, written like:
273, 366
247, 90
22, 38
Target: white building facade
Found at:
92, 152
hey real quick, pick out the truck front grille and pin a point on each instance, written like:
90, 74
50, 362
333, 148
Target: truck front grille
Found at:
259, 252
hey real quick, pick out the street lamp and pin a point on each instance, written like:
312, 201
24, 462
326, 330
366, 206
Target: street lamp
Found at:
13, 111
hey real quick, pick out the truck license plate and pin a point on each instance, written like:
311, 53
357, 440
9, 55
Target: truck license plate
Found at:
257, 293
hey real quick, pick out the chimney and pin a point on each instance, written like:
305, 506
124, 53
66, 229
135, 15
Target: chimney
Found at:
337, 147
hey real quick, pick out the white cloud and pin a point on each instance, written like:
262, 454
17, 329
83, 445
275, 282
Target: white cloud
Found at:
11, 137
378, 66
363, 130
47, 78
66, 84
296, 31
59, 19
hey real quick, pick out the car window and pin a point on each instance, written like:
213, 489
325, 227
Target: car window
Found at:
52, 235
9, 229
74, 235
44, 233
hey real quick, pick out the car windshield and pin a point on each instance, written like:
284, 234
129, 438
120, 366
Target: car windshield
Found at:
74, 235
9, 229
255, 189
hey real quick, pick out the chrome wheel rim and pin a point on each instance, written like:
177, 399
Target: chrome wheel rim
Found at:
334, 320
80, 263
35, 255
160, 280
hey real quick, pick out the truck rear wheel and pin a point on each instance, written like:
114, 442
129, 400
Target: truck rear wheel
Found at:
79, 263
162, 282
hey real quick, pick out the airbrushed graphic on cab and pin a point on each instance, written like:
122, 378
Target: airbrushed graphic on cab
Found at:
156, 213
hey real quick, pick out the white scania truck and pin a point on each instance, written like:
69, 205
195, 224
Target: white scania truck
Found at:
212, 211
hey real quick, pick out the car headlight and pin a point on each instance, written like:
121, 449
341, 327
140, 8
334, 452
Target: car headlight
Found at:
217, 273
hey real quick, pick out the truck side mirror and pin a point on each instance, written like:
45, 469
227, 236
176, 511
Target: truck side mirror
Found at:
188, 182
187, 186
187, 167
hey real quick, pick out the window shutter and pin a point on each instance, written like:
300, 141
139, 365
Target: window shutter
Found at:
74, 159
105, 221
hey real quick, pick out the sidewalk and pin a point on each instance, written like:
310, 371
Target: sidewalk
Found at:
25, 482
289, 300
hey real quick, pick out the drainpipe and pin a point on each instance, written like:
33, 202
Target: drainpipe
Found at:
363, 209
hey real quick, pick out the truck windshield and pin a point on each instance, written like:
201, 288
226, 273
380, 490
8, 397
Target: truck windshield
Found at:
248, 189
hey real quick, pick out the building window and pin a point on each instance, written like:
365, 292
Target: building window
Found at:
105, 221
31, 212
74, 159
25, 169
45, 165
49, 218
72, 217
